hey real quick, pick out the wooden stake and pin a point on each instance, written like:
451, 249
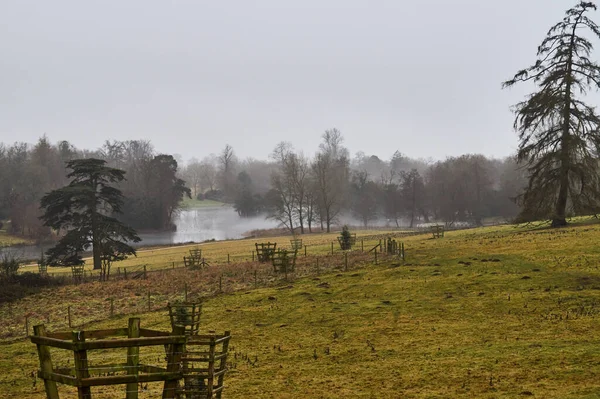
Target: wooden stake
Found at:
133, 357
46, 363
81, 365
305, 251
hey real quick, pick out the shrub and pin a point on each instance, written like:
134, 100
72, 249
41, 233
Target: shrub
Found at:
9, 265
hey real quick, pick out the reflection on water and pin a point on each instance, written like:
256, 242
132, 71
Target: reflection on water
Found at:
195, 225
202, 224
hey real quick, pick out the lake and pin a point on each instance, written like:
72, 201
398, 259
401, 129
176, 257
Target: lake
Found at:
197, 225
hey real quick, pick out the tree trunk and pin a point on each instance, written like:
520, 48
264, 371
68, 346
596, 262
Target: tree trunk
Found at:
560, 211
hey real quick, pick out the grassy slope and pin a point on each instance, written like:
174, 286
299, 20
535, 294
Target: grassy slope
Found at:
194, 203
517, 316
7, 240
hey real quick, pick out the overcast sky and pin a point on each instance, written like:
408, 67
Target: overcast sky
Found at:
422, 77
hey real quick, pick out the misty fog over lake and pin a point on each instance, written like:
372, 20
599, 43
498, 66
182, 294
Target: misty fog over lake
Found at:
200, 224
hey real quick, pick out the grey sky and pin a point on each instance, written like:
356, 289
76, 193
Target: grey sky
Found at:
419, 76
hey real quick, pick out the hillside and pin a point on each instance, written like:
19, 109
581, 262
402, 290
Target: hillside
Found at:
500, 312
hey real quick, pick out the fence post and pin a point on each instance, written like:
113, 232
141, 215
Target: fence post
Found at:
149, 304
346, 261
133, 357
332, 247
81, 364
145, 275
305, 251
173, 265
375, 255
380, 247
125, 270
173, 363
252, 256
362, 245
227, 258
69, 316
46, 363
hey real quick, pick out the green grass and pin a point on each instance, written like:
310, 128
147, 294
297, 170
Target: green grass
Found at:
194, 203
496, 312
7, 239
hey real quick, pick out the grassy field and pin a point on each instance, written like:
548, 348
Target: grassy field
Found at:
194, 203
7, 240
502, 312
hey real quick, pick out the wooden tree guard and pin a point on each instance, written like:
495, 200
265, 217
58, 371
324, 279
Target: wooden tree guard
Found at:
129, 373
284, 261
42, 268
347, 245
204, 364
195, 259
437, 231
187, 315
296, 244
394, 247
265, 251
78, 273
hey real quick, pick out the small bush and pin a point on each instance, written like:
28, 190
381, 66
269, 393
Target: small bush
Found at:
9, 265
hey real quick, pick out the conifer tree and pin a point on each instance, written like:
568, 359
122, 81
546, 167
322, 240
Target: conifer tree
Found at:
85, 208
558, 132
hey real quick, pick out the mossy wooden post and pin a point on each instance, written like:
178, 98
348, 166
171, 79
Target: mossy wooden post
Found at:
145, 274
305, 251
173, 364
362, 245
375, 252
45, 363
133, 358
69, 316
81, 365
222, 366
125, 271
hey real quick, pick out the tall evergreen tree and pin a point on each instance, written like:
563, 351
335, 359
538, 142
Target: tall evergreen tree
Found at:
84, 208
558, 131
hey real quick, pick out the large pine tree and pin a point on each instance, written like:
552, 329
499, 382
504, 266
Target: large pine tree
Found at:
558, 132
85, 209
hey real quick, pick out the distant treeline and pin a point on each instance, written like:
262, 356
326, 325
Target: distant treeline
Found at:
301, 192
152, 190
297, 191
